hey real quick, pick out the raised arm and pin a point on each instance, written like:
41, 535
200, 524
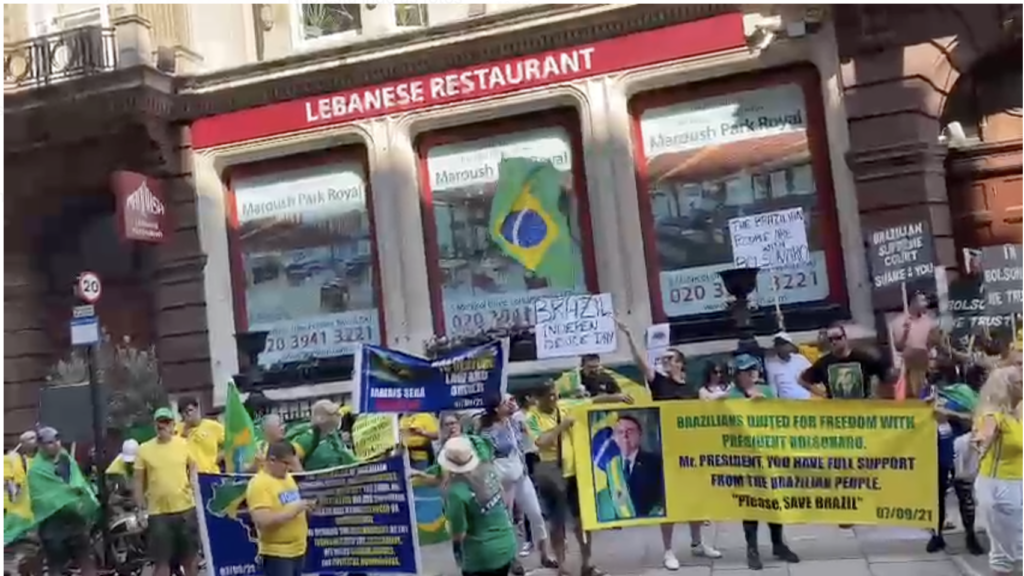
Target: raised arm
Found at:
639, 356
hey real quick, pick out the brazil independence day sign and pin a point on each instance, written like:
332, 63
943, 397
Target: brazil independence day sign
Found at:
856, 462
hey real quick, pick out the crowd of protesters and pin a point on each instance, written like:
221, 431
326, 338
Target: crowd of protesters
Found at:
508, 473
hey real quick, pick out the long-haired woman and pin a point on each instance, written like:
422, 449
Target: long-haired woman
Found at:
506, 435
997, 435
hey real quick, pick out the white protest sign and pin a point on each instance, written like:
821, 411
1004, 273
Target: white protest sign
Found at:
770, 240
658, 337
575, 325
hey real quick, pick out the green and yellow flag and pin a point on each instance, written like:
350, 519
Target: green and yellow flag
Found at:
239, 433
527, 224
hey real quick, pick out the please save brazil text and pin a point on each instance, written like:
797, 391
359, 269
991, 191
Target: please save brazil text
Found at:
859, 462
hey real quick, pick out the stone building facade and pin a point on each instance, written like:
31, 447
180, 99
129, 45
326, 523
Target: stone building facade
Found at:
221, 121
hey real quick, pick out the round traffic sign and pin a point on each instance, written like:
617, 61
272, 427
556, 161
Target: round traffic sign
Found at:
89, 287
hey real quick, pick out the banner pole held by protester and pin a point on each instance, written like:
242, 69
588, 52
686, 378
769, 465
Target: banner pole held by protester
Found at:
239, 433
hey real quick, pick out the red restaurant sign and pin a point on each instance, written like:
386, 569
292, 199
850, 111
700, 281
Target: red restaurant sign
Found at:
141, 212
623, 53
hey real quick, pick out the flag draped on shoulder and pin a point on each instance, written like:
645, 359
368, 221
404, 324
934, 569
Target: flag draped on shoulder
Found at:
239, 433
526, 222
50, 494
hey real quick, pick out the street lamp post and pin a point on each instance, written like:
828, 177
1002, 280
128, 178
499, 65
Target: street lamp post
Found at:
739, 283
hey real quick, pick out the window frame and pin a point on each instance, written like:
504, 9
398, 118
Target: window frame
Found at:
799, 316
300, 42
347, 153
565, 118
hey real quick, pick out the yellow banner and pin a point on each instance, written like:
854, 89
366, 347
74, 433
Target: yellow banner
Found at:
831, 462
374, 434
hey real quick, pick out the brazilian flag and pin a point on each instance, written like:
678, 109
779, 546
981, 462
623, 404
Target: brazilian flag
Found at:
527, 224
613, 499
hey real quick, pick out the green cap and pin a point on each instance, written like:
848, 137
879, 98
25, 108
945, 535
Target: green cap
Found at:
163, 414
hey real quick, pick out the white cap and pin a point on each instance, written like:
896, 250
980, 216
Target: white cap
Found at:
129, 448
784, 337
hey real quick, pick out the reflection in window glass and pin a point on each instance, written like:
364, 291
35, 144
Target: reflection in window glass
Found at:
483, 287
306, 251
712, 160
319, 20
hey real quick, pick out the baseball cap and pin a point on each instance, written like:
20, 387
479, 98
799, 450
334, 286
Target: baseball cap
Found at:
48, 434
747, 362
783, 337
129, 448
163, 414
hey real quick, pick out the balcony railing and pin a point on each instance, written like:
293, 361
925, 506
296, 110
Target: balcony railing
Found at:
58, 57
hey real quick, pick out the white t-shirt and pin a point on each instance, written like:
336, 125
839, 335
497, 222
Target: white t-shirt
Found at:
784, 377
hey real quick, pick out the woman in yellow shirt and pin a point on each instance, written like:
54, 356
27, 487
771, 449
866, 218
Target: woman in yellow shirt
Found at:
998, 436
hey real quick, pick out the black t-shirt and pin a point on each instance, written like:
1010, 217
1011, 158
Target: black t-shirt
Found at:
665, 388
849, 377
599, 384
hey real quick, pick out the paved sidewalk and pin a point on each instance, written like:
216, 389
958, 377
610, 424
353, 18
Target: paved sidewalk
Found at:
824, 551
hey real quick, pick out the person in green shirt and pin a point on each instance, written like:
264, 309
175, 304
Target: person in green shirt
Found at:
321, 446
475, 509
750, 385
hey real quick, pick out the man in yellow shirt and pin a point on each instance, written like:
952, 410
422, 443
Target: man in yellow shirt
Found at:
16, 465
279, 513
163, 493
273, 432
205, 436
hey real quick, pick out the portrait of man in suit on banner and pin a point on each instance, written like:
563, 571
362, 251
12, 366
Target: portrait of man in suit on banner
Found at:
629, 476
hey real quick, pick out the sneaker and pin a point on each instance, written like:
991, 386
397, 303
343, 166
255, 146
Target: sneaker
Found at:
754, 559
670, 561
973, 546
782, 552
705, 551
935, 543
949, 526
525, 550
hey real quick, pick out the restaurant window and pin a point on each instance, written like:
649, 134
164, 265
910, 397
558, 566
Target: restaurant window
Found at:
716, 155
475, 285
304, 259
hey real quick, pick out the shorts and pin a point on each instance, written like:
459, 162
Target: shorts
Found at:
279, 566
559, 508
173, 537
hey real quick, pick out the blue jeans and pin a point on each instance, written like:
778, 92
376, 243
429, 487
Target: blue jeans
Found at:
277, 566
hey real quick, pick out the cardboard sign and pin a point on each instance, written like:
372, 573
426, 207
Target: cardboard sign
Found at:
771, 240
900, 254
575, 325
1002, 279
967, 307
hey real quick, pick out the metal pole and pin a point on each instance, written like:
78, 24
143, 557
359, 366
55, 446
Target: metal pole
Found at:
99, 448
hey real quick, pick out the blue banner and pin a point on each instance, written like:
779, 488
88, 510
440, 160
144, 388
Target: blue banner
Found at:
392, 381
364, 522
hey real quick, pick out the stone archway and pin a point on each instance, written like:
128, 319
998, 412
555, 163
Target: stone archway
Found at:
983, 176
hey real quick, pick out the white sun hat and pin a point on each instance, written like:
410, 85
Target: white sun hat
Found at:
458, 456
129, 449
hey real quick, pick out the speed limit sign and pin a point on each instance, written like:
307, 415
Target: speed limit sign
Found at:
89, 288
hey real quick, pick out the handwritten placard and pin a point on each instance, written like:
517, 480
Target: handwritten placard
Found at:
900, 254
1002, 279
770, 240
575, 325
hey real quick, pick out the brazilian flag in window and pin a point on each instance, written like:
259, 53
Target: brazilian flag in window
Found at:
527, 224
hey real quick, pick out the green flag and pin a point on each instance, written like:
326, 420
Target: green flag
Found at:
527, 224
239, 433
51, 494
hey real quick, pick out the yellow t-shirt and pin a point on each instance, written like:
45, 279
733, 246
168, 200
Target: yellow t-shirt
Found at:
165, 464
204, 442
419, 446
117, 467
538, 423
15, 477
1003, 459
286, 540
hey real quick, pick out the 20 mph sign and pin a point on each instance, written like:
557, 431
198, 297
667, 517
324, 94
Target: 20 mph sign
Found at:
89, 287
